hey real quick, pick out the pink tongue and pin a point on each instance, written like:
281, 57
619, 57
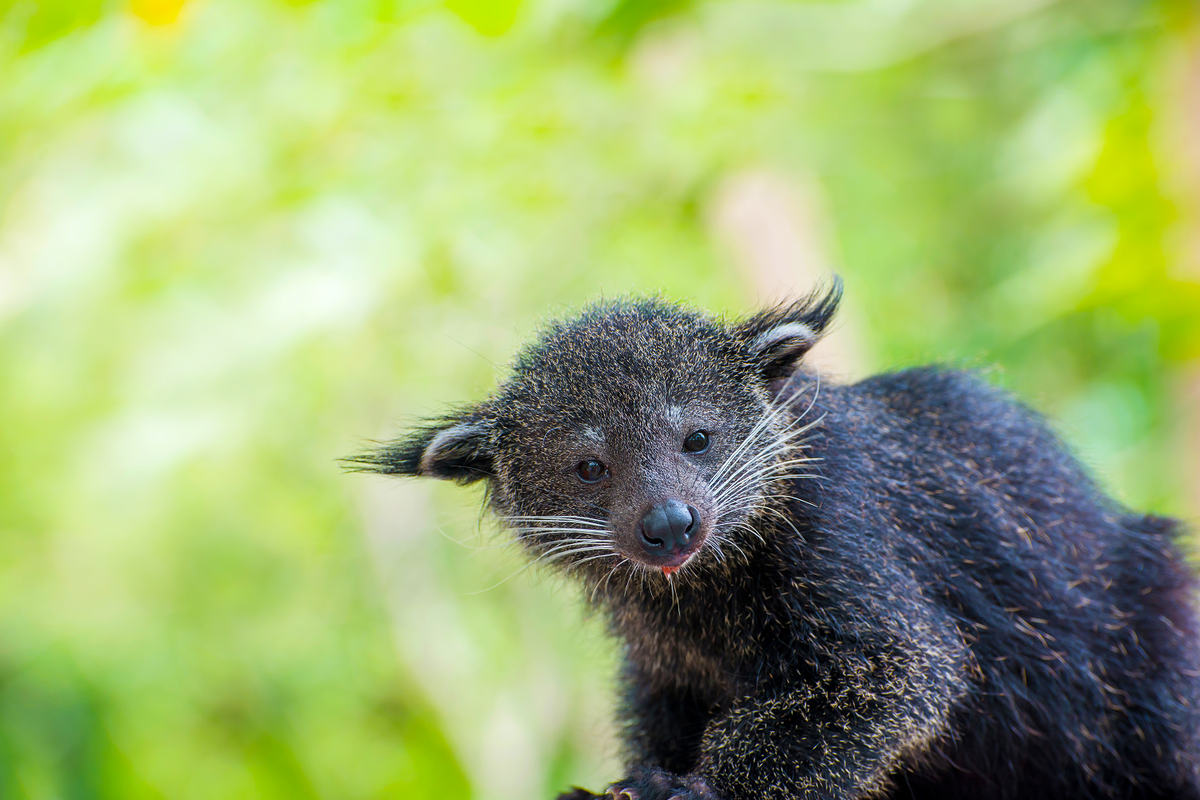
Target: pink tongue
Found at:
668, 570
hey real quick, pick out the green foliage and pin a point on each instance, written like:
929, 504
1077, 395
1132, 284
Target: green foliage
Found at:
489, 17
236, 238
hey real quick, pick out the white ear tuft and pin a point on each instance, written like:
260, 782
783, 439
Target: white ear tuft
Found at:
453, 449
785, 339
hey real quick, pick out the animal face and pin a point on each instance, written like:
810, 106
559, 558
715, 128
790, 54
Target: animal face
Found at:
638, 437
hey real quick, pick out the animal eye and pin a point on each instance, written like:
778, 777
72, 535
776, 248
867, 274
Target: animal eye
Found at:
696, 442
590, 471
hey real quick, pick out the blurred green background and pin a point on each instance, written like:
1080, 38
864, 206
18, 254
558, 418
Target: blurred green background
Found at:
238, 238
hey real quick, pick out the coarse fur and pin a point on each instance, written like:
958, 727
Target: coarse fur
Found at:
901, 588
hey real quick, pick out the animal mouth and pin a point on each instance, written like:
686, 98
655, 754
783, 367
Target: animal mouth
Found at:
675, 562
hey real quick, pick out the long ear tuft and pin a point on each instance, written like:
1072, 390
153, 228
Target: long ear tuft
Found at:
779, 337
457, 448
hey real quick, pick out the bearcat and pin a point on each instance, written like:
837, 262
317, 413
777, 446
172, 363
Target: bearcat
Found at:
900, 588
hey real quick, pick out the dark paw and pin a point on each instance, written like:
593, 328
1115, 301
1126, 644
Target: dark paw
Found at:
651, 783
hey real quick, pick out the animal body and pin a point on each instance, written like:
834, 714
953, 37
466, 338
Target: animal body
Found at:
900, 588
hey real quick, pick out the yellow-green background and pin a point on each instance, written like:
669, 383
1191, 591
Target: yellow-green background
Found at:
240, 237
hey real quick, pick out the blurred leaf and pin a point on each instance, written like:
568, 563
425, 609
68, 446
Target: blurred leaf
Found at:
1135, 279
43, 21
157, 12
628, 17
489, 17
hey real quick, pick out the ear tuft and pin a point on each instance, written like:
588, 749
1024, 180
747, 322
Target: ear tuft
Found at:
456, 448
779, 337
782, 341
461, 452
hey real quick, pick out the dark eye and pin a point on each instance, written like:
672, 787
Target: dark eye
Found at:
590, 471
696, 442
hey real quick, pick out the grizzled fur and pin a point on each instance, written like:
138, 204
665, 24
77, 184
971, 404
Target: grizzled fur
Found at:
902, 588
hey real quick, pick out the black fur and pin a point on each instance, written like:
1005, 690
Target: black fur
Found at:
903, 588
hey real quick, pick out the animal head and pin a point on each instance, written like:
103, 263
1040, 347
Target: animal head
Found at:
639, 436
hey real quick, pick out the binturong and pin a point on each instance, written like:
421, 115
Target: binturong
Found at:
900, 588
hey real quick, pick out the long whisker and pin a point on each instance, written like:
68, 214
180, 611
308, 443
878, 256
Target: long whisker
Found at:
604, 582
777, 445
587, 522
467, 545
771, 452
547, 531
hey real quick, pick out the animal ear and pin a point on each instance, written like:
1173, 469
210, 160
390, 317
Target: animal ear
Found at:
779, 337
454, 448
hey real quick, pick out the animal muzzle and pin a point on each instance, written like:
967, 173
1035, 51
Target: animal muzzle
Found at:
669, 530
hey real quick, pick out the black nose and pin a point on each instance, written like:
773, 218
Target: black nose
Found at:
668, 528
